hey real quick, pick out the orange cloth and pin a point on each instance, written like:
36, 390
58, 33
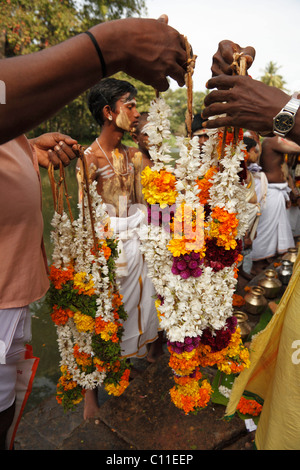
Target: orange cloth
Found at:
23, 274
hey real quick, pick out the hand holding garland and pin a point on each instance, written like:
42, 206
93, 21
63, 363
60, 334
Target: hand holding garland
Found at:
240, 100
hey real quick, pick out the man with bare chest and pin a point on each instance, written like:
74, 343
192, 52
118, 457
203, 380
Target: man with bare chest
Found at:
117, 170
274, 233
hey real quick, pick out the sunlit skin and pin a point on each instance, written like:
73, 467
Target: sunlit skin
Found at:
127, 114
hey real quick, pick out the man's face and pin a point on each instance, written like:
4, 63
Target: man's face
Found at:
140, 136
126, 114
202, 139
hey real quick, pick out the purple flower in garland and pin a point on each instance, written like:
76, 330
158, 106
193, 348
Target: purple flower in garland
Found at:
181, 264
193, 264
185, 274
196, 272
187, 265
187, 345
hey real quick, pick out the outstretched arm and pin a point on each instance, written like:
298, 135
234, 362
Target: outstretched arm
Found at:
240, 101
38, 85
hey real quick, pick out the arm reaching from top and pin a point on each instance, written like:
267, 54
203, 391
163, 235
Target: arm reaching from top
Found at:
247, 103
38, 85
224, 57
240, 101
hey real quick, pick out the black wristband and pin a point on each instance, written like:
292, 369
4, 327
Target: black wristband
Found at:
101, 58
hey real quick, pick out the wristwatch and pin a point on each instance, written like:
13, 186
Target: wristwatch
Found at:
284, 121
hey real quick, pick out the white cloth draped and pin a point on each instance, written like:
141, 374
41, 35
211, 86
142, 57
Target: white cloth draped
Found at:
294, 218
142, 324
274, 233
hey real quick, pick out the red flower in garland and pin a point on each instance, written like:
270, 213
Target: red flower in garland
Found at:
217, 257
221, 338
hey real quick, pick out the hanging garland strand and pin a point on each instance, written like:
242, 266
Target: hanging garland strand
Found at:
191, 62
86, 306
239, 67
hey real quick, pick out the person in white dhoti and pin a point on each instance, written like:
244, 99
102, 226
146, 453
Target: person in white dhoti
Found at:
293, 173
117, 170
274, 232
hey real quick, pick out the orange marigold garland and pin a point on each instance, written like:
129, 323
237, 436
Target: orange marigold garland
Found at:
87, 308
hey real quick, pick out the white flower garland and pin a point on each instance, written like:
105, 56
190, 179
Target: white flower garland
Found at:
194, 304
73, 243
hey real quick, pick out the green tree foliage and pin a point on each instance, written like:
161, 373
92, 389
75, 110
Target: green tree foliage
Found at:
271, 76
31, 25
177, 100
94, 11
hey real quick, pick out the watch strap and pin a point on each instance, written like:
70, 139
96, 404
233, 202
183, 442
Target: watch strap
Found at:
292, 106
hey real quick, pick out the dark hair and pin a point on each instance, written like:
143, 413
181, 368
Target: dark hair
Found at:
197, 122
108, 92
249, 142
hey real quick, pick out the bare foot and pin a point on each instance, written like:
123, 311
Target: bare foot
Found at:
156, 349
91, 408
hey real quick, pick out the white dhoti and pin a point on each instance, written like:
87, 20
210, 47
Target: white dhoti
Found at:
142, 324
274, 233
294, 218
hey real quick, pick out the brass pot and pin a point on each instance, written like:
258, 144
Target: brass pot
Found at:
285, 271
255, 301
242, 323
291, 255
270, 283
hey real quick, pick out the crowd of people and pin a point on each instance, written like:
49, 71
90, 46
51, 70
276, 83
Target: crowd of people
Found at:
42, 83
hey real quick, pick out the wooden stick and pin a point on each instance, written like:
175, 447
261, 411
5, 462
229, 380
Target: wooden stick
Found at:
86, 179
191, 59
52, 183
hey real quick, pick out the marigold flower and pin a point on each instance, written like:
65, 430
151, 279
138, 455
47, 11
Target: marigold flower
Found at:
60, 316
158, 187
248, 406
107, 330
237, 300
59, 276
192, 396
223, 227
83, 322
83, 282
117, 390
204, 184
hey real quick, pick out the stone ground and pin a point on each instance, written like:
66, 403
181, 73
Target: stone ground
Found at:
142, 419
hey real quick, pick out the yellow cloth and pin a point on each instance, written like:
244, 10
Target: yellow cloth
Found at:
274, 374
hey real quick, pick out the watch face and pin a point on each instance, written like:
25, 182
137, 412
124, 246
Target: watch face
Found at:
283, 122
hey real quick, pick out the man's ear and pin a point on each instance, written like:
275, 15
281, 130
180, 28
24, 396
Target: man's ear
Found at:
107, 113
